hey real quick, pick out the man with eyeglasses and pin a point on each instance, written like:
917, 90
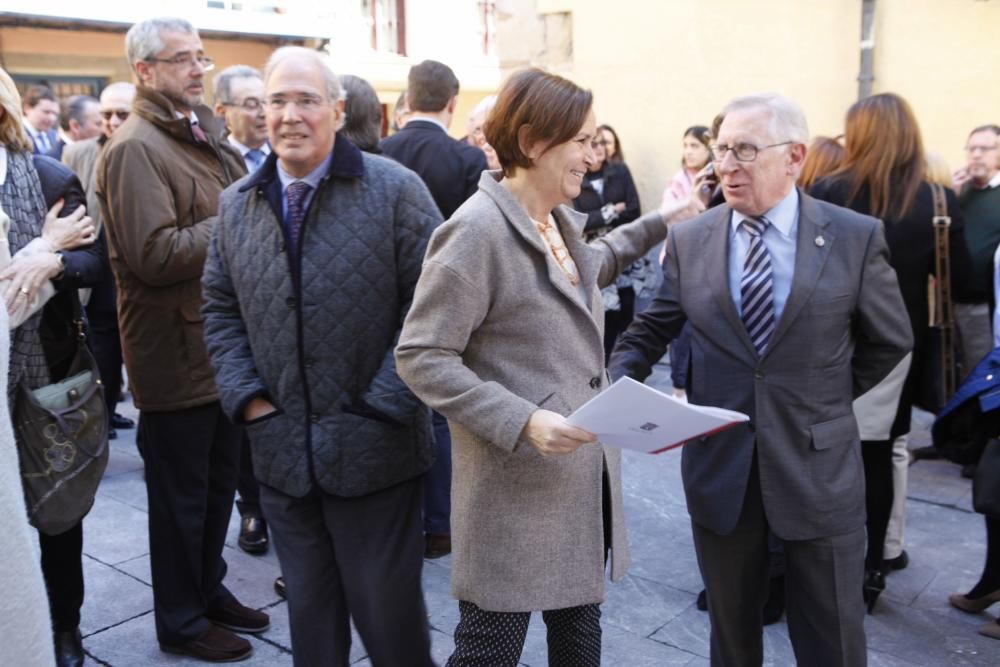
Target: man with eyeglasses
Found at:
100, 301
978, 188
795, 311
239, 102
158, 180
309, 276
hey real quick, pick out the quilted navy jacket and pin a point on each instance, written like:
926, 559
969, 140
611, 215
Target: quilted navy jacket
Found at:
315, 334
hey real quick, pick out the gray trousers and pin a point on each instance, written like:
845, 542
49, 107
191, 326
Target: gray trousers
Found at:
823, 580
357, 559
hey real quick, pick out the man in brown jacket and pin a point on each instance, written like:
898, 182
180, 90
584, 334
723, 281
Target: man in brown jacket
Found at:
158, 181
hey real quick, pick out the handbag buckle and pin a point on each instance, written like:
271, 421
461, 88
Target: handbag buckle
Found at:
941, 220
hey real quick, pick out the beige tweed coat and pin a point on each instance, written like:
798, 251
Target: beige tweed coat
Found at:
497, 331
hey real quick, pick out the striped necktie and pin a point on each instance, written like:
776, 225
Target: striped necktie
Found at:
296, 194
756, 287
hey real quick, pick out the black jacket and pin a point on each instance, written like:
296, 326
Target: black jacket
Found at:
911, 254
618, 187
84, 267
448, 167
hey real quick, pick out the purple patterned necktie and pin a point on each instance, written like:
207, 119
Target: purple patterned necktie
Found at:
296, 194
756, 287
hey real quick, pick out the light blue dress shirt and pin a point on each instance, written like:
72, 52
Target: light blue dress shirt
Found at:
312, 178
779, 237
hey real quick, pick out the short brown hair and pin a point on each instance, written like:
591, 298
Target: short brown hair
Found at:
430, 86
36, 93
552, 108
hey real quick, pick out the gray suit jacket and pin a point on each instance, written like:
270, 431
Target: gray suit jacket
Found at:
843, 328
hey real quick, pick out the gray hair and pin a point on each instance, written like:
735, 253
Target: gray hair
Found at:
223, 84
333, 89
485, 106
788, 121
75, 108
142, 41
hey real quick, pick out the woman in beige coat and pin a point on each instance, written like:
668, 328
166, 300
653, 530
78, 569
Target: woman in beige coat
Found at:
505, 337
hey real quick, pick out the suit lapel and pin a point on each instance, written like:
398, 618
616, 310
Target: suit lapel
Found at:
810, 257
716, 241
570, 227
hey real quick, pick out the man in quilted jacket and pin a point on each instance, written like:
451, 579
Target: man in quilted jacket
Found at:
310, 273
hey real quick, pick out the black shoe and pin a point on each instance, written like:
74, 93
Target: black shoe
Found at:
122, 422
873, 587
969, 470
702, 602
253, 534
234, 616
214, 645
279, 587
112, 434
898, 563
774, 608
69, 648
925, 453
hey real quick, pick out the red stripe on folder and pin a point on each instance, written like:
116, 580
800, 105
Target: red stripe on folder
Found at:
707, 434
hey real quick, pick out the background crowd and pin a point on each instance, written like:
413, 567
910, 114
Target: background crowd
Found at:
375, 341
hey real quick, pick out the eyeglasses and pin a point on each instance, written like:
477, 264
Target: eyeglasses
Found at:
744, 152
186, 61
121, 113
302, 102
249, 104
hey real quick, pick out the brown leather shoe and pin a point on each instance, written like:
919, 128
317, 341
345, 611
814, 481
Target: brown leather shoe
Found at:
234, 616
973, 605
213, 645
436, 546
991, 629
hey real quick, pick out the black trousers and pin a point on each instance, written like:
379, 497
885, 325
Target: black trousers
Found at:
353, 559
247, 484
62, 567
877, 458
192, 461
106, 346
496, 638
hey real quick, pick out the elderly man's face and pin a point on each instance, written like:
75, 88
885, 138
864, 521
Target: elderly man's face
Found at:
757, 186
43, 116
182, 79
983, 151
245, 115
302, 122
89, 125
116, 105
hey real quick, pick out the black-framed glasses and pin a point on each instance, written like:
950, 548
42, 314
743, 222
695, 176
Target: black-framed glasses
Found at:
249, 104
186, 60
121, 113
305, 102
744, 152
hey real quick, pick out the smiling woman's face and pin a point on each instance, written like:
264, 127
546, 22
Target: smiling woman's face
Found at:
559, 171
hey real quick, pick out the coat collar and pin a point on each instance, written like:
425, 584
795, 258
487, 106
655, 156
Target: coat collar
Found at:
347, 163
160, 111
810, 258
571, 224
422, 124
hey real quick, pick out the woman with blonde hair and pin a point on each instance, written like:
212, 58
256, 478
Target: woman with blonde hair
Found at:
884, 174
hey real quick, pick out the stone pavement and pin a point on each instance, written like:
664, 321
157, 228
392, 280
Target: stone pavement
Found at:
649, 618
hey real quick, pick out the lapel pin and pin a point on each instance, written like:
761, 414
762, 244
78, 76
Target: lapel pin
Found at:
820, 241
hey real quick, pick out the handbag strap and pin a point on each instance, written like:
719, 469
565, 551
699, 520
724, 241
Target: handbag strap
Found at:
944, 316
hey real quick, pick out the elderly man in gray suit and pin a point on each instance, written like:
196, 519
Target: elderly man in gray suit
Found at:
795, 311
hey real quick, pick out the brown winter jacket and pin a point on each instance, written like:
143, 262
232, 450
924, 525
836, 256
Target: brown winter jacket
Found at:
159, 193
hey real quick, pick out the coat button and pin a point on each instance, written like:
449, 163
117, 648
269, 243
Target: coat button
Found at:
595, 383
758, 375
290, 302
309, 362
314, 418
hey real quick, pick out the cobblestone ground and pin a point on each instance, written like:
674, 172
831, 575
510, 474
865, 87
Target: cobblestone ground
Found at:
649, 618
